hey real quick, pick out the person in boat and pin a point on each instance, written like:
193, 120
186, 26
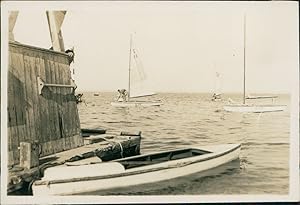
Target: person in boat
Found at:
123, 95
216, 96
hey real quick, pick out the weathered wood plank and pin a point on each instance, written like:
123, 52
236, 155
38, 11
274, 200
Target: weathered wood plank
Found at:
13, 84
60, 119
18, 70
23, 76
47, 93
68, 143
45, 106
10, 117
60, 91
34, 97
65, 114
68, 108
54, 91
10, 157
42, 103
29, 102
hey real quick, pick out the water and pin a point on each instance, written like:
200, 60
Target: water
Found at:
187, 120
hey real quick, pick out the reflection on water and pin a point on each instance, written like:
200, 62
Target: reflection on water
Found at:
187, 120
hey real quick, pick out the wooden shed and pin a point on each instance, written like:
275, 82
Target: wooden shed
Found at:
41, 102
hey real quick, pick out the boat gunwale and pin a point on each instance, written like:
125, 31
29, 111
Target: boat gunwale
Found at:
136, 172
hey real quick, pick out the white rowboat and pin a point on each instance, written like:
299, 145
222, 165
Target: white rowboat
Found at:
130, 171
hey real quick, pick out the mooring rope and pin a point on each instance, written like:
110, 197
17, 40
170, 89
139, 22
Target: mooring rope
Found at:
112, 143
121, 149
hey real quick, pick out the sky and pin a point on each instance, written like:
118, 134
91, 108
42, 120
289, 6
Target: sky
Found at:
181, 44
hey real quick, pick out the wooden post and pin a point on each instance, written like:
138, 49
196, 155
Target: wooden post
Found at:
12, 21
55, 20
29, 155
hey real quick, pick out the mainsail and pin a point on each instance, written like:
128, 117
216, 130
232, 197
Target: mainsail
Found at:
138, 83
218, 84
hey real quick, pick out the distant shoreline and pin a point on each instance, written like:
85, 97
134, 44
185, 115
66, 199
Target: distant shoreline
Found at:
192, 92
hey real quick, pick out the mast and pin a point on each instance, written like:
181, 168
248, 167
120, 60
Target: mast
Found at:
129, 66
244, 92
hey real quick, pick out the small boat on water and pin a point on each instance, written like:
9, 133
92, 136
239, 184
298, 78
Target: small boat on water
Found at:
131, 171
254, 108
137, 84
217, 96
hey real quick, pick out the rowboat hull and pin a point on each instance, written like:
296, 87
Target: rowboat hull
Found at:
136, 104
120, 178
254, 108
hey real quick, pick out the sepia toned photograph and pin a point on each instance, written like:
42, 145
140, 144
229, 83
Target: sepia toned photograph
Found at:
150, 101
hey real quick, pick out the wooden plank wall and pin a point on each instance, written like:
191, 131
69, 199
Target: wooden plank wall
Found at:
51, 118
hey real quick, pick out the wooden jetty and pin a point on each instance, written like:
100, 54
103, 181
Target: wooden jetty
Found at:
111, 147
43, 122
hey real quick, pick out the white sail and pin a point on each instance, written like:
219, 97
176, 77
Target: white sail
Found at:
218, 84
139, 85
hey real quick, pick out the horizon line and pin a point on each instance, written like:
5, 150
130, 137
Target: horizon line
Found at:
203, 92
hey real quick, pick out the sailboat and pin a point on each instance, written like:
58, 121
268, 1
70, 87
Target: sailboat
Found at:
217, 94
259, 108
137, 84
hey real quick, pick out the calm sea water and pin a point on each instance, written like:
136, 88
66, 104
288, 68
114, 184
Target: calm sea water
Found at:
187, 120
